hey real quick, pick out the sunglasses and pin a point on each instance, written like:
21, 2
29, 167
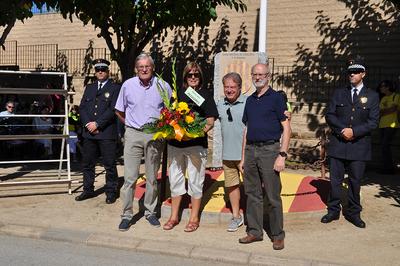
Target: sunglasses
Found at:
101, 69
10, 106
228, 112
355, 72
193, 75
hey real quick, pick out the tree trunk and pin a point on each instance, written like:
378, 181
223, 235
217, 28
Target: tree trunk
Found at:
127, 66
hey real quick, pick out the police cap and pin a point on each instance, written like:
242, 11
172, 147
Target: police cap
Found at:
356, 64
101, 64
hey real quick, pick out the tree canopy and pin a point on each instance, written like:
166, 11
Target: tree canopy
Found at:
12, 11
128, 26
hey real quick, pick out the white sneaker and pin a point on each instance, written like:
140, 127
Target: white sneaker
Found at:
235, 224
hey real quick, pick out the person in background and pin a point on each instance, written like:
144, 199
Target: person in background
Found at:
10, 110
74, 124
44, 125
388, 123
288, 105
189, 156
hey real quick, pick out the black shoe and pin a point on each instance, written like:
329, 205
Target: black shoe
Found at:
84, 196
356, 221
111, 199
327, 218
124, 225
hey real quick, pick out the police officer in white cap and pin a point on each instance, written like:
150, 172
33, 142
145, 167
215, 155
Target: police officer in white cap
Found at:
100, 132
352, 113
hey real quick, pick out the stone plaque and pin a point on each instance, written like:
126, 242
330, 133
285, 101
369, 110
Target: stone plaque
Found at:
225, 62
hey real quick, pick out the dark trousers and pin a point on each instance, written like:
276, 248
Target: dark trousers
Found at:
107, 148
355, 172
260, 178
387, 135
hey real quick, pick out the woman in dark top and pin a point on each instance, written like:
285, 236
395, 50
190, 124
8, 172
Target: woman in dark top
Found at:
190, 156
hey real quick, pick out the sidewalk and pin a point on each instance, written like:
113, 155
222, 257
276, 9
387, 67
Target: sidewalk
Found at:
58, 216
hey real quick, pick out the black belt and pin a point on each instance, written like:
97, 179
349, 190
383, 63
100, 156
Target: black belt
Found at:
137, 129
261, 143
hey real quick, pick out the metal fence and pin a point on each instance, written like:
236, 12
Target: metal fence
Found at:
40, 57
47, 57
9, 55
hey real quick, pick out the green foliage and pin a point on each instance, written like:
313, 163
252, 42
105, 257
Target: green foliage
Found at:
17, 10
129, 25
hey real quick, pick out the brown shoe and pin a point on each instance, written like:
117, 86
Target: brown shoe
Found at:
249, 239
278, 244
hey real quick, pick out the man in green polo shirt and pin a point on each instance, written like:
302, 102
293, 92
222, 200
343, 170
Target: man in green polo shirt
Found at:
230, 110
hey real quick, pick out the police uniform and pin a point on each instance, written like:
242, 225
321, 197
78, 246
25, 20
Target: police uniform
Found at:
361, 114
97, 104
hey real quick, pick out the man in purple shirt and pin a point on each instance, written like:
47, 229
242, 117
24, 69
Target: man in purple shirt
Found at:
139, 102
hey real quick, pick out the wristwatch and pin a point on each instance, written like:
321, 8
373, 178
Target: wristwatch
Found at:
283, 154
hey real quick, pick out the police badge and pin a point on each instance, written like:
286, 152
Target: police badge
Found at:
107, 94
363, 100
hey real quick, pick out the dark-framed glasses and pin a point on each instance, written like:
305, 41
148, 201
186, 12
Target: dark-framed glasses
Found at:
11, 107
228, 112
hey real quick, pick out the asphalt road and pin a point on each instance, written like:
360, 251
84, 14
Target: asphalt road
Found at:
25, 251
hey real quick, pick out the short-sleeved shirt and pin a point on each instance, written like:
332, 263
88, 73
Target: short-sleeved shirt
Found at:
141, 104
263, 116
232, 131
390, 120
207, 109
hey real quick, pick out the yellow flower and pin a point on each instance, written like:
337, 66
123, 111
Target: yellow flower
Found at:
189, 119
183, 108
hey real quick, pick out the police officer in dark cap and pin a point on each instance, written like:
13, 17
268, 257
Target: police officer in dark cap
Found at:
352, 113
100, 131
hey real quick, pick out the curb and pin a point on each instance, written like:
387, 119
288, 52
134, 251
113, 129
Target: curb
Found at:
150, 246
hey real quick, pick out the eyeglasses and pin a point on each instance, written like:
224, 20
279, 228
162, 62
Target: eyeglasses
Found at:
8, 106
193, 75
101, 69
255, 75
141, 68
228, 112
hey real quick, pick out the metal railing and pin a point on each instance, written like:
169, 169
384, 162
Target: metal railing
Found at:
9, 55
64, 159
39, 57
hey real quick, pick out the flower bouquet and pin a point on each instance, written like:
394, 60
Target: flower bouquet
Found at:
176, 120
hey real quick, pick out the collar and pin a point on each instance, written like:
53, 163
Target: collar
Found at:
146, 86
102, 82
268, 92
359, 87
240, 99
